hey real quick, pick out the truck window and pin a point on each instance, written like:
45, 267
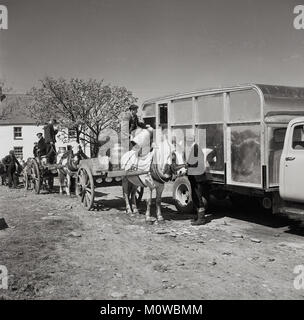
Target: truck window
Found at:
298, 137
163, 114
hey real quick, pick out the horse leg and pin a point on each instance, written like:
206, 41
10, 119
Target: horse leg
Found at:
133, 200
159, 190
61, 181
148, 211
68, 185
125, 190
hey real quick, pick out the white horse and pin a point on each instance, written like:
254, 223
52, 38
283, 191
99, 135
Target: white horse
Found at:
69, 160
161, 163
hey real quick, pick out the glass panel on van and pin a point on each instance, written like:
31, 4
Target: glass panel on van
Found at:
210, 108
211, 138
182, 111
148, 110
163, 115
246, 154
182, 139
244, 106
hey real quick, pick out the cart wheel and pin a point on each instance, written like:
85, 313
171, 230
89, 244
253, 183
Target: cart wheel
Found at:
139, 194
35, 176
85, 188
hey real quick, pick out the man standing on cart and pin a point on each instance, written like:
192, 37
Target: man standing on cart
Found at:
134, 121
41, 145
50, 140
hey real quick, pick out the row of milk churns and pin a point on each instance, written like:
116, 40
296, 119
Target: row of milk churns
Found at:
110, 154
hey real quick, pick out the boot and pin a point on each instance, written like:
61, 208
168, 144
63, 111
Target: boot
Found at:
195, 213
200, 218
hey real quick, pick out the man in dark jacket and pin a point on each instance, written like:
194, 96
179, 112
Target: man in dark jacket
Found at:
35, 149
134, 121
41, 145
199, 184
10, 161
50, 140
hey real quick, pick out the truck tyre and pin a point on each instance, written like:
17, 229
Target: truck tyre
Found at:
182, 195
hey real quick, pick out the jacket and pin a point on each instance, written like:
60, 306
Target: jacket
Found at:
42, 147
135, 123
50, 133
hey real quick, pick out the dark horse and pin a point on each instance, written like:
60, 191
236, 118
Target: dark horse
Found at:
69, 162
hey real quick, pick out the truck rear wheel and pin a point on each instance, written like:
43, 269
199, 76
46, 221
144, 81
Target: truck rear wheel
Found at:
182, 195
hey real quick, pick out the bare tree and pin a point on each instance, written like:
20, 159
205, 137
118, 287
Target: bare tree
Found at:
86, 106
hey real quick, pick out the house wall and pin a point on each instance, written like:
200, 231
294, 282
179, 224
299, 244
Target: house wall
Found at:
29, 131
7, 141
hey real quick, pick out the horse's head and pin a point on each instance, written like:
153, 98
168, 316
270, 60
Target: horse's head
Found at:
169, 159
74, 154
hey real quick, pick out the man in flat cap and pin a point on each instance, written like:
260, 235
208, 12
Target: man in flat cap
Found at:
41, 145
50, 140
134, 121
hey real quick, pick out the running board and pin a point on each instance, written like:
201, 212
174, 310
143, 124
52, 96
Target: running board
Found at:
292, 212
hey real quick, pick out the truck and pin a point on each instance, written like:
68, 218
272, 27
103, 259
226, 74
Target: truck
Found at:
257, 133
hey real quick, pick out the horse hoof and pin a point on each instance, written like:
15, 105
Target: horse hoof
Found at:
160, 221
150, 222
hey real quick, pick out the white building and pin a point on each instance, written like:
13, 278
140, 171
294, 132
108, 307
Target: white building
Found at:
18, 129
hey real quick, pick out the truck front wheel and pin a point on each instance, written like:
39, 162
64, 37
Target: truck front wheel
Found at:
182, 195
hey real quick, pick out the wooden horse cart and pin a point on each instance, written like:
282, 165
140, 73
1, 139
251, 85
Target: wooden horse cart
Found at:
36, 172
92, 175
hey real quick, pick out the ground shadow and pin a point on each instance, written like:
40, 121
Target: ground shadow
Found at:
251, 211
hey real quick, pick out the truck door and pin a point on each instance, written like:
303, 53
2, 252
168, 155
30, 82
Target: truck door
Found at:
291, 179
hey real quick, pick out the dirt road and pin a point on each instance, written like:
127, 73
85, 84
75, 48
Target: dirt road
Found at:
54, 249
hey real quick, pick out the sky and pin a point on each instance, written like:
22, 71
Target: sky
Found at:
152, 47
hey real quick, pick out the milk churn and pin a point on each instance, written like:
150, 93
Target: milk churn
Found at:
115, 156
142, 139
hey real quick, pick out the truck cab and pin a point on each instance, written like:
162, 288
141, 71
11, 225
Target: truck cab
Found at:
291, 178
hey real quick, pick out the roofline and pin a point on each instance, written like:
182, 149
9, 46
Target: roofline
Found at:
218, 90
199, 92
19, 123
